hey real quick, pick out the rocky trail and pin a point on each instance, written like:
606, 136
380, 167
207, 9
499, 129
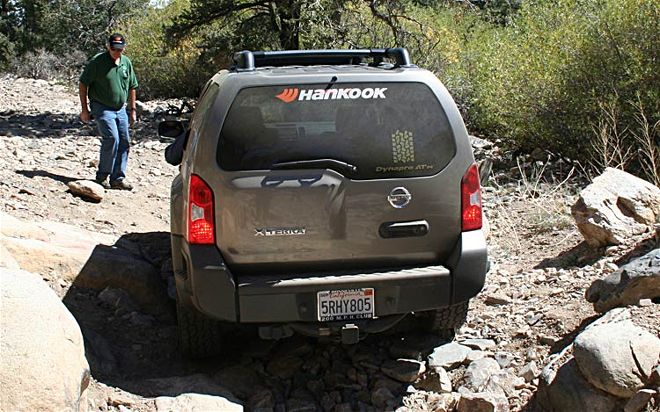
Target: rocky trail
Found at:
108, 262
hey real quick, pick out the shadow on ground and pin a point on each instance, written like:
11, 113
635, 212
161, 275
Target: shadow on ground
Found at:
122, 300
640, 249
583, 255
578, 256
42, 173
53, 125
43, 125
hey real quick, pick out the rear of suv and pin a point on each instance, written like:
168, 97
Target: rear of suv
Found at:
329, 193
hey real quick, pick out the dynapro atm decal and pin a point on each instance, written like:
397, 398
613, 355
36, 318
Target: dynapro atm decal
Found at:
290, 94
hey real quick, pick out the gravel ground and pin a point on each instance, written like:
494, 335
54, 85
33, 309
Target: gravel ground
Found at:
532, 306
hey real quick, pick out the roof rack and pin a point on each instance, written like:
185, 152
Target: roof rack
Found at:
247, 60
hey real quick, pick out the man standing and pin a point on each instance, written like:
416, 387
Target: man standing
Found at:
109, 82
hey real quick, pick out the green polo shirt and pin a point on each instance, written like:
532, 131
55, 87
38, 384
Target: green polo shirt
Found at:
108, 83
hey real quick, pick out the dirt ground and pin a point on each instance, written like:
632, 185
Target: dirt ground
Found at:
532, 306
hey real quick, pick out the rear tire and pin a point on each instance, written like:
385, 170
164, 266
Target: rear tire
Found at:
199, 335
443, 322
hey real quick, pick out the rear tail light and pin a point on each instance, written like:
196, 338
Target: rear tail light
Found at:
201, 225
471, 200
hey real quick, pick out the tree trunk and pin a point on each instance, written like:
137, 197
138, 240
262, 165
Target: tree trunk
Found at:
288, 13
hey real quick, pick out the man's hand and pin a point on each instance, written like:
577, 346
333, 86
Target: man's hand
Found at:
84, 116
84, 113
132, 105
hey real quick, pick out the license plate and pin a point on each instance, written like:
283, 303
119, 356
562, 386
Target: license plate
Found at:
345, 304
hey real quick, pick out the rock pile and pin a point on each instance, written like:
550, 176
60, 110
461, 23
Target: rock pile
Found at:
615, 207
635, 281
610, 366
529, 327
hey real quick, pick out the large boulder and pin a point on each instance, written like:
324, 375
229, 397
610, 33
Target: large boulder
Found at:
567, 390
7, 261
607, 364
43, 365
616, 206
197, 383
191, 402
87, 260
57, 247
636, 280
617, 358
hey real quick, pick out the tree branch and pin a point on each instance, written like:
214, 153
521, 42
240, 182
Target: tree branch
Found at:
201, 14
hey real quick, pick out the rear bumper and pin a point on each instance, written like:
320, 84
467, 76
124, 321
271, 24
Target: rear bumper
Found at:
204, 280
273, 300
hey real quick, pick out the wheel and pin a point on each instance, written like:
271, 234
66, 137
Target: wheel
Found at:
444, 321
199, 335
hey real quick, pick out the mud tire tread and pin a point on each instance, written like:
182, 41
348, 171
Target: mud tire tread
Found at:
199, 336
445, 321
451, 317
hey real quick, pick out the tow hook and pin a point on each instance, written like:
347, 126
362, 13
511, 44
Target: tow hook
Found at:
350, 334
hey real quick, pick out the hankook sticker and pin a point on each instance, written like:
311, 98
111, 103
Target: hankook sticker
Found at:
290, 94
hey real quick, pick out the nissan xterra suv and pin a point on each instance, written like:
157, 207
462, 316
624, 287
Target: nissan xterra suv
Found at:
328, 193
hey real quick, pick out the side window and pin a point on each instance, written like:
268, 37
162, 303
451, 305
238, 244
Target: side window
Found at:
203, 105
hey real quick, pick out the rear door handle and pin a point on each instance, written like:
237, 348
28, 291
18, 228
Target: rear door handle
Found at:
404, 229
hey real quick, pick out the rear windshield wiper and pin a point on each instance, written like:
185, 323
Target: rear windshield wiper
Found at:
304, 164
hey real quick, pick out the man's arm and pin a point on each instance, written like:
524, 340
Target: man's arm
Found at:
84, 113
132, 105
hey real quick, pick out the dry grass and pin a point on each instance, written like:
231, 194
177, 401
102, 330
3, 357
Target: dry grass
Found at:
630, 148
646, 137
535, 207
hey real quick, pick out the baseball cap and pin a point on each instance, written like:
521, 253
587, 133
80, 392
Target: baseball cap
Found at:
117, 41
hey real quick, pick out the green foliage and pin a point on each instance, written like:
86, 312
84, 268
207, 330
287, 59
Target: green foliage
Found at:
164, 68
540, 81
21, 23
568, 76
258, 24
86, 24
271, 21
498, 11
61, 26
6, 51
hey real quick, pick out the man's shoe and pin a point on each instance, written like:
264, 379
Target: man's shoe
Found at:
103, 183
121, 185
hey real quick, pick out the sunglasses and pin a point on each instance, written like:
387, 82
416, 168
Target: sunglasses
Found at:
116, 49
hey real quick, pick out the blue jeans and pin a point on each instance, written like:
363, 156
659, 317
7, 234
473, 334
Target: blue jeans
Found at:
113, 127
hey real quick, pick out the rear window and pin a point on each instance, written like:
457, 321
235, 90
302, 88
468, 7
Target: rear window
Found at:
385, 130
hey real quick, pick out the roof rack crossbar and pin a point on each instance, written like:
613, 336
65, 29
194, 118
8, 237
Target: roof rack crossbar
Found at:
247, 60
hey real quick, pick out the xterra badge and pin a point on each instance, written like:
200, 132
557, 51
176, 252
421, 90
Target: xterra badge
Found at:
290, 94
280, 231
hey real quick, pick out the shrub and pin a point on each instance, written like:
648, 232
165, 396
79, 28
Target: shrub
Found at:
541, 81
39, 64
164, 70
42, 64
6, 51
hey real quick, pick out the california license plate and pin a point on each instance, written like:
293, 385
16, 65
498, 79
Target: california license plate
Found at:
345, 304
